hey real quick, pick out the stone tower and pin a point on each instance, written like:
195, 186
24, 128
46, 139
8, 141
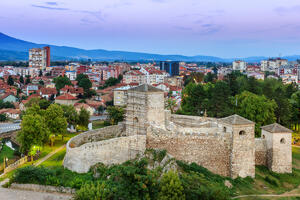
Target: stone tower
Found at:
242, 155
145, 105
279, 150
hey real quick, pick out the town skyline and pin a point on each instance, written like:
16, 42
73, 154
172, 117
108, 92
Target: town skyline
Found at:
224, 29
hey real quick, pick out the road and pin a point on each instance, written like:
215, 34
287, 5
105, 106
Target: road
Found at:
7, 127
11, 194
102, 117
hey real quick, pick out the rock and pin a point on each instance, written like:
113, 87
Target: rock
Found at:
228, 184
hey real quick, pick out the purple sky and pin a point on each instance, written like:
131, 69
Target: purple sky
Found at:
225, 28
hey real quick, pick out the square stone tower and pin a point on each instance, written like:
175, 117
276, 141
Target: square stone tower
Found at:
242, 155
145, 105
279, 150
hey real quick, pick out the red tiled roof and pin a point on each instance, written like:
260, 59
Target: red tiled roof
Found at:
66, 97
48, 91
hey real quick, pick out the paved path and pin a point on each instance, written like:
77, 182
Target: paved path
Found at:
49, 155
267, 195
6, 127
10, 194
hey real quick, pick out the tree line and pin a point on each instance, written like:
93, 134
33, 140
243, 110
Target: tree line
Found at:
262, 101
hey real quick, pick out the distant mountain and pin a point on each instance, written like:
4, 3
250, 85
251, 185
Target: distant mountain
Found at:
15, 49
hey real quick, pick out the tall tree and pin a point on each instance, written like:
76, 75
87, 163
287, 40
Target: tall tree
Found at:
10, 80
70, 114
28, 80
34, 131
256, 108
61, 81
220, 101
21, 79
283, 111
193, 99
83, 117
116, 114
55, 119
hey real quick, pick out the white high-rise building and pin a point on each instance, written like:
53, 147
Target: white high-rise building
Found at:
239, 65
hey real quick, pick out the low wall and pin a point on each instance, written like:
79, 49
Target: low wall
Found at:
42, 188
112, 151
191, 121
260, 152
211, 151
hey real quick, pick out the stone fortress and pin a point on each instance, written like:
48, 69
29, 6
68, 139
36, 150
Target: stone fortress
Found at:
225, 146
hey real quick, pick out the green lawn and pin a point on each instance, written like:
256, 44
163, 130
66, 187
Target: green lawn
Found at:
6, 152
98, 124
56, 160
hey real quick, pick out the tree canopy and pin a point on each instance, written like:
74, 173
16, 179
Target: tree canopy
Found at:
61, 82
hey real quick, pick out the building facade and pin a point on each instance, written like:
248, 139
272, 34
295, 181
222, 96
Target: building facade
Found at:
170, 67
39, 58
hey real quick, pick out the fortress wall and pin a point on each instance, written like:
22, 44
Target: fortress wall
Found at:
96, 135
191, 121
112, 151
260, 152
208, 150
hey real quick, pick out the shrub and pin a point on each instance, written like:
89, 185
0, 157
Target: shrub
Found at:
272, 181
91, 191
32, 175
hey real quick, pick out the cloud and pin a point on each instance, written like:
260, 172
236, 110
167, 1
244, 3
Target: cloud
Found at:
287, 10
159, 1
182, 28
96, 14
49, 8
52, 3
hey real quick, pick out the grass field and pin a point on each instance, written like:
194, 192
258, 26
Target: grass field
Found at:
6, 152
56, 160
98, 124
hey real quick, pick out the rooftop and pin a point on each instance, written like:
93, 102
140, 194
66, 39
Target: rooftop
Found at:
236, 120
276, 128
145, 88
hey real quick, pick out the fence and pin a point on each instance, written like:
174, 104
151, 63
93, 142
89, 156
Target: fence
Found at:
16, 164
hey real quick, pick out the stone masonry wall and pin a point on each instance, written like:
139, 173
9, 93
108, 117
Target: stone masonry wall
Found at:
208, 150
97, 135
111, 151
190, 121
260, 152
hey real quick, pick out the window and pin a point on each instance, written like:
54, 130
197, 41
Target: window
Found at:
242, 133
224, 129
135, 120
263, 136
282, 141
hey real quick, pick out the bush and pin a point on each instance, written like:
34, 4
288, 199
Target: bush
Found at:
91, 191
32, 175
272, 181
57, 176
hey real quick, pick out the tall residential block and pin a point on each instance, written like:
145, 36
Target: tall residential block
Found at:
39, 58
170, 67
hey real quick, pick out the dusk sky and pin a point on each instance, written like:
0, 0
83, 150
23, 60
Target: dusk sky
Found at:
224, 28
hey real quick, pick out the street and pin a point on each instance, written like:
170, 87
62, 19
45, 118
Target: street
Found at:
6, 127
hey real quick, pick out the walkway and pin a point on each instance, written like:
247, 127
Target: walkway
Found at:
267, 195
10, 194
49, 155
